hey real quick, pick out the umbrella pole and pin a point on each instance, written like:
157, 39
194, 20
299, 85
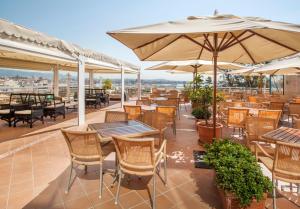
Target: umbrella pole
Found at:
215, 57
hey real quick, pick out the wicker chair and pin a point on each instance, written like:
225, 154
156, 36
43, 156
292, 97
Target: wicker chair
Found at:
276, 106
156, 120
297, 123
237, 118
285, 165
170, 111
255, 128
294, 111
184, 99
134, 112
143, 102
252, 99
137, 156
85, 149
115, 116
273, 114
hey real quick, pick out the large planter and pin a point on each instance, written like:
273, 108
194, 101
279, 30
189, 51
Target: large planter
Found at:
229, 201
206, 132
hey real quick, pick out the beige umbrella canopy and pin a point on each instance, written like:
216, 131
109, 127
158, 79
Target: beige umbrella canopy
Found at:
226, 38
290, 66
193, 66
244, 71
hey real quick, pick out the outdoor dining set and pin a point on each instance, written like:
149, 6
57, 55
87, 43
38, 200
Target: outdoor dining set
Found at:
32, 107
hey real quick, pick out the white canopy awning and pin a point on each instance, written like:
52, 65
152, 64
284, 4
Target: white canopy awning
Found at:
24, 48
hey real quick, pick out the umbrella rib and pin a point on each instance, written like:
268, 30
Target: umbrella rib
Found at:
162, 48
231, 40
226, 42
245, 49
200, 53
272, 40
208, 42
241, 40
225, 35
150, 42
196, 42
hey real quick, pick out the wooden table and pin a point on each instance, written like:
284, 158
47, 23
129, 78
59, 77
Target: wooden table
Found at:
120, 128
149, 107
284, 134
159, 98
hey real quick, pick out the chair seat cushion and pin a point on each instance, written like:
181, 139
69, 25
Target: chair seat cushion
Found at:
5, 111
23, 112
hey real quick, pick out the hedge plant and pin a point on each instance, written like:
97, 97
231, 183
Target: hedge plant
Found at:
237, 171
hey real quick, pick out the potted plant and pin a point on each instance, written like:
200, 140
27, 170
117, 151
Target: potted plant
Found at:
202, 99
239, 178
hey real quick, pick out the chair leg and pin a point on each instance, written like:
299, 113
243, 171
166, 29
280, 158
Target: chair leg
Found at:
85, 169
274, 194
118, 189
165, 169
101, 181
154, 191
70, 176
174, 127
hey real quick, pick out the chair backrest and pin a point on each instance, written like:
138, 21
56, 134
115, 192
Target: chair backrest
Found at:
297, 123
135, 155
172, 102
134, 111
155, 119
252, 99
143, 102
170, 111
296, 100
256, 127
287, 162
294, 108
273, 114
276, 105
115, 116
237, 117
83, 144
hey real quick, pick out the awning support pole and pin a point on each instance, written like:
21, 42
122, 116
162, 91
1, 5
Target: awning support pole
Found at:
81, 90
139, 85
91, 79
56, 81
122, 87
68, 86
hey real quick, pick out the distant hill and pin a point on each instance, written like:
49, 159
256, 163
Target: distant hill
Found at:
12, 73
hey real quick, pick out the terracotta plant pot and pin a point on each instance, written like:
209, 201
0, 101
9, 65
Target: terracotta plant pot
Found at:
206, 132
229, 201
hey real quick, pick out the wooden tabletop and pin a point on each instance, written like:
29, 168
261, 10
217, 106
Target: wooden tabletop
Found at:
284, 134
159, 99
149, 107
120, 128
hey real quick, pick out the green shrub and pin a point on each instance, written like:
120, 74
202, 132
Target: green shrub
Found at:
201, 113
237, 171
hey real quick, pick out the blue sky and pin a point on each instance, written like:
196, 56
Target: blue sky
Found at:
86, 22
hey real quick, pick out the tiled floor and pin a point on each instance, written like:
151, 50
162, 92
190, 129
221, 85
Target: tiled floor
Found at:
35, 178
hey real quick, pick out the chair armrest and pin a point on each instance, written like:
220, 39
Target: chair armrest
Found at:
161, 152
259, 147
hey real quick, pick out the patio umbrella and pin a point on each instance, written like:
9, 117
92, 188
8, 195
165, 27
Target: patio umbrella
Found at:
244, 71
193, 66
289, 66
225, 38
